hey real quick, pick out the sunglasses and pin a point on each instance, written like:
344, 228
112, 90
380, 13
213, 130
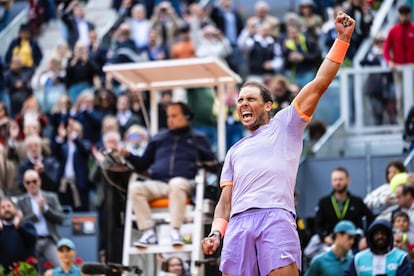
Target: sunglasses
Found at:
28, 182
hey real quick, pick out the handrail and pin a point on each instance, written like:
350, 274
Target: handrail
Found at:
409, 158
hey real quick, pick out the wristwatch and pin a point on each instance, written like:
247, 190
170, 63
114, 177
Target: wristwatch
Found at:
214, 233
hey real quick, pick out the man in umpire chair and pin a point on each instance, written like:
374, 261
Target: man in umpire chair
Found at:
170, 163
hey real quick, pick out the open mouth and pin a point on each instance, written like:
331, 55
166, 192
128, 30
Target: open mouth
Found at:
247, 115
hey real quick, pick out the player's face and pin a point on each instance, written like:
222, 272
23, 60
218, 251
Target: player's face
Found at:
252, 110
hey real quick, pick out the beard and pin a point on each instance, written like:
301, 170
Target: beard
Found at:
341, 190
8, 216
380, 246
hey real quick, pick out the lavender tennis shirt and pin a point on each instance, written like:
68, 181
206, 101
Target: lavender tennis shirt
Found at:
262, 167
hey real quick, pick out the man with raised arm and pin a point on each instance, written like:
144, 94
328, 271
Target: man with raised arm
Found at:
259, 175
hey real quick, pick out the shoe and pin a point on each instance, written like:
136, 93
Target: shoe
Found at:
177, 240
146, 240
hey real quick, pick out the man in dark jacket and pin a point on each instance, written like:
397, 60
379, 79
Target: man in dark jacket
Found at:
17, 236
170, 160
380, 258
340, 205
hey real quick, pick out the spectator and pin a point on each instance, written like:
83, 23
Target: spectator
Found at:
72, 151
155, 49
170, 160
310, 22
17, 235
183, 47
124, 49
380, 87
401, 224
140, 26
62, 53
340, 205
5, 6
18, 85
382, 198
230, 23
302, 56
5, 123
405, 199
166, 22
136, 139
74, 18
398, 50
51, 82
81, 73
18, 150
26, 48
59, 114
44, 210
262, 15
264, 53
338, 258
105, 101
84, 111
380, 258
31, 119
279, 86
4, 96
362, 11
212, 43
124, 115
173, 266
397, 45
66, 252
97, 52
46, 167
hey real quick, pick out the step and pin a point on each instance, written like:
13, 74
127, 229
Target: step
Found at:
154, 249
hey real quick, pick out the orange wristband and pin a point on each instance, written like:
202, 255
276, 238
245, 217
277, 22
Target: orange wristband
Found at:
219, 224
338, 51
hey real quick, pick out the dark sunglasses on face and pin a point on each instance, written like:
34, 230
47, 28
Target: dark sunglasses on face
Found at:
28, 182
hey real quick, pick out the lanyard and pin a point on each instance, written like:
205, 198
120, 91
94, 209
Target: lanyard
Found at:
340, 215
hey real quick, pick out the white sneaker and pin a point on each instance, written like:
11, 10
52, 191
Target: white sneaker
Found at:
146, 240
177, 239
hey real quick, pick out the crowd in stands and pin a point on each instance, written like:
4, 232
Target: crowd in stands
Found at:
53, 148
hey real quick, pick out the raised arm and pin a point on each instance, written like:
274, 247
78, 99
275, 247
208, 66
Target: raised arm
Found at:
309, 96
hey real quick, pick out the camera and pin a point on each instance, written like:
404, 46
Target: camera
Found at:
163, 9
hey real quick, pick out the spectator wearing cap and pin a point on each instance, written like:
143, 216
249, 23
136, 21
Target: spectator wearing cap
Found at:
66, 252
338, 258
26, 48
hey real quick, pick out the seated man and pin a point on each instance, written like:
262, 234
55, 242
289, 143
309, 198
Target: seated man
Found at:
170, 160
